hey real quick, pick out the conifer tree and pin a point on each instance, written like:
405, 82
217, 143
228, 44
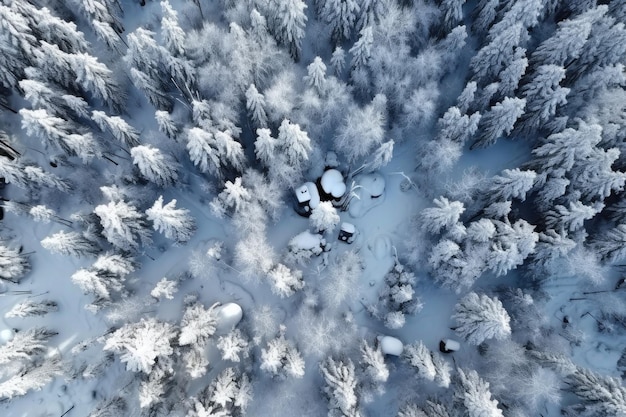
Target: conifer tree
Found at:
174, 223
445, 215
197, 325
452, 13
492, 58
288, 23
316, 75
13, 264
498, 121
480, 317
255, 104
25, 345
419, 357
119, 128
600, 395
474, 394
362, 49
341, 16
166, 124
281, 358
72, 243
154, 165
123, 225
374, 363
341, 387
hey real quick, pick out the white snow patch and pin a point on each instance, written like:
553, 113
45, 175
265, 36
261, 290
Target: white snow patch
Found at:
380, 247
306, 241
332, 183
314, 194
6, 335
368, 193
228, 316
390, 345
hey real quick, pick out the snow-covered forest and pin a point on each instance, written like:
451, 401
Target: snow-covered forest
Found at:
342, 208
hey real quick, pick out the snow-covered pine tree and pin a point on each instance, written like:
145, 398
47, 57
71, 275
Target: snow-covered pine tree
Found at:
341, 16
233, 346
611, 244
123, 225
452, 13
165, 288
445, 215
30, 308
373, 362
98, 282
509, 78
154, 165
601, 396
543, 95
361, 51
140, 344
171, 32
13, 264
456, 127
175, 223
71, 244
255, 104
398, 297
474, 394
25, 345
107, 34
485, 15
316, 75
524, 12
492, 58
498, 121
571, 218
31, 377
362, 129
419, 357
513, 183
324, 217
197, 325
166, 124
285, 281
480, 317
281, 358
153, 88
295, 142
288, 20
341, 387
338, 60
229, 394
119, 128
465, 99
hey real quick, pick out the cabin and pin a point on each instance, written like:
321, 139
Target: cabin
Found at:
347, 232
449, 345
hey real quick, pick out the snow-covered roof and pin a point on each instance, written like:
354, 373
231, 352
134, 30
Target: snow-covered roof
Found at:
348, 227
315, 195
302, 194
452, 345
332, 183
390, 345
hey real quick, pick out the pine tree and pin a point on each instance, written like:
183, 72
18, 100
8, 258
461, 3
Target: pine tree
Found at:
98, 282
141, 344
233, 346
473, 392
341, 16
611, 244
154, 165
480, 317
601, 395
118, 127
171, 32
456, 127
445, 215
324, 217
197, 325
316, 75
486, 12
513, 183
255, 104
31, 308
543, 95
452, 13
361, 51
341, 387
524, 12
25, 345
281, 358
605, 46
265, 146
499, 121
13, 264
374, 363
362, 129
153, 88
571, 218
33, 377
295, 142
338, 60
123, 225
167, 124
72, 243
419, 357
164, 289
285, 282
492, 58
229, 394
107, 34
289, 20
510, 76
465, 99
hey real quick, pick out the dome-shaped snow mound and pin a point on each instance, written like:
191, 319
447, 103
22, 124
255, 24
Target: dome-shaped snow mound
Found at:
332, 183
6, 335
390, 345
228, 316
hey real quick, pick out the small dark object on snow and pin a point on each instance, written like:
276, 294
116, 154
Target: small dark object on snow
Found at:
346, 232
1, 212
449, 346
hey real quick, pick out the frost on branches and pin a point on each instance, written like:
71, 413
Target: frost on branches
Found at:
341, 387
281, 358
480, 317
175, 223
197, 325
398, 297
229, 394
141, 344
13, 264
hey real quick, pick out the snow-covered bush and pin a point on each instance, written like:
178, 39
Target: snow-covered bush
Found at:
398, 297
165, 289
281, 358
341, 387
197, 325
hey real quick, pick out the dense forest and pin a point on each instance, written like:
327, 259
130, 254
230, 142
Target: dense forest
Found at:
351, 208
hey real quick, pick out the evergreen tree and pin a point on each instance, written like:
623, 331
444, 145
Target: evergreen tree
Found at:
141, 344
465, 99
374, 363
174, 223
600, 395
419, 357
316, 75
265, 146
543, 95
99, 283
480, 317
486, 13
32, 377
324, 217
492, 58
499, 121
197, 325
362, 129
72, 243
229, 394
25, 345
605, 46
13, 264
445, 215
338, 60
171, 32
571, 218
288, 23
341, 16
524, 12
452, 13
166, 124
107, 34
341, 387
233, 346
361, 51
31, 308
255, 104
285, 282
510, 76
281, 358
294, 142
154, 165
123, 225
457, 127
612, 243
119, 128
153, 88
513, 183
473, 393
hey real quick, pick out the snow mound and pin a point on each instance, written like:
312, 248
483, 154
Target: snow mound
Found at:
390, 345
6, 335
306, 241
368, 192
332, 183
228, 316
381, 247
